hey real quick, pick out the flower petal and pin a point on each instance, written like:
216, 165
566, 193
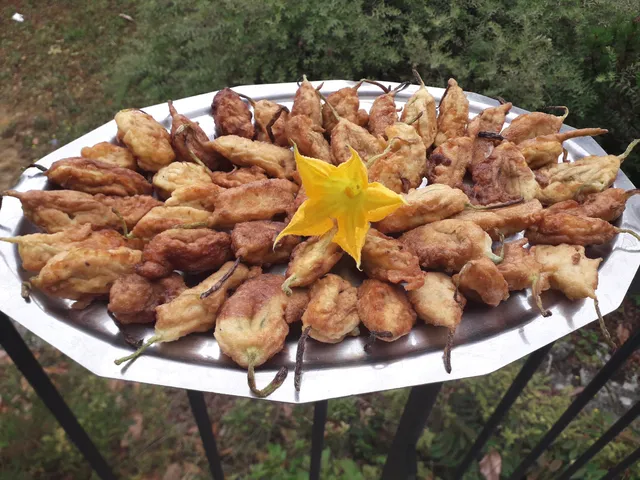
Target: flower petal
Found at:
315, 174
311, 219
352, 232
354, 170
379, 202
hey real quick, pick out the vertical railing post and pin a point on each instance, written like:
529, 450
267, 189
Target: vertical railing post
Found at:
317, 437
199, 409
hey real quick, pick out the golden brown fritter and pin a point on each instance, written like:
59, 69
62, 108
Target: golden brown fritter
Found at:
274, 160
312, 259
385, 308
425, 205
385, 258
383, 114
251, 327
453, 114
307, 103
489, 120
179, 174
132, 209
607, 205
265, 111
346, 102
94, 176
231, 115
308, 137
133, 299
534, 124
55, 210
506, 221
253, 242
253, 201
480, 280
448, 244
149, 142
85, 273
237, 177
404, 164
556, 228
163, 218
448, 163
332, 312
296, 305
570, 270
201, 196
422, 103
348, 134
434, 302
189, 250
37, 249
545, 150
112, 154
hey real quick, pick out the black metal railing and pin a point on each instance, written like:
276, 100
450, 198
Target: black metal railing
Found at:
401, 461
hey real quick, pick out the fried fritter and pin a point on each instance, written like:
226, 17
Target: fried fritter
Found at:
448, 163
425, 205
132, 209
56, 210
308, 137
422, 103
534, 124
332, 312
188, 250
385, 258
179, 174
85, 273
296, 305
545, 150
346, 102
348, 134
383, 114
149, 142
94, 176
133, 299
449, 244
489, 120
112, 154
480, 280
385, 308
274, 160
231, 115
253, 242
163, 218
237, 177
556, 228
201, 196
307, 103
453, 113
312, 259
506, 221
265, 111
607, 205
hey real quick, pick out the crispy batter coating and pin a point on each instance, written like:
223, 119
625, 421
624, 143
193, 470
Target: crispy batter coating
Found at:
425, 205
231, 115
237, 177
251, 327
435, 303
520, 268
503, 176
404, 165
37, 249
253, 242
448, 244
188, 312
489, 120
133, 299
530, 125
556, 228
296, 305
201, 196
383, 114
570, 270
607, 205
163, 218
253, 201
95, 176
427, 125
265, 111
506, 220
346, 102
385, 258
332, 312
308, 137
179, 174
112, 154
480, 280
55, 210
346, 134
274, 160
545, 150
131, 208
149, 142
85, 273
448, 163
385, 308
453, 113
189, 250
307, 103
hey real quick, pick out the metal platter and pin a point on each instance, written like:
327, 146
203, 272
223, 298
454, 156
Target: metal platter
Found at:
487, 339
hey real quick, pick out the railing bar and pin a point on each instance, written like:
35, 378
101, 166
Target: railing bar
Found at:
317, 437
514, 391
605, 373
623, 465
201, 416
25, 361
608, 436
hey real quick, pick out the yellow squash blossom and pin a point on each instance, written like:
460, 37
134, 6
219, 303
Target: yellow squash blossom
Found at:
341, 195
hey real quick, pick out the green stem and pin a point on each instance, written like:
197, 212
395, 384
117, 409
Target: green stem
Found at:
137, 353
418, 77
626, 153
377, 84
286, 286
416, 118
630, 232
603, 327
373, 334
125, 229
39, 167
535, 290
25, 290
251, 101
277, 381
302, 341
220, 282
446, 355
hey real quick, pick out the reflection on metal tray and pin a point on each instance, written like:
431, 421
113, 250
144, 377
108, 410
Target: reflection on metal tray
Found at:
487, 339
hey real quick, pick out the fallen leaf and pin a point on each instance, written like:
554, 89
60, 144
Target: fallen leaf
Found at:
126, 17
622, 333
134, 432
576, 391
60, 369
491, 465
173, 472
555, 465
54, 50
226, 451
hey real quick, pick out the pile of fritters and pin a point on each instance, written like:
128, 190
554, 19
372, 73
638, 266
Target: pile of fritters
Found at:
128, 221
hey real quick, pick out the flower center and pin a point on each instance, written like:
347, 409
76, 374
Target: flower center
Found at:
352, 190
